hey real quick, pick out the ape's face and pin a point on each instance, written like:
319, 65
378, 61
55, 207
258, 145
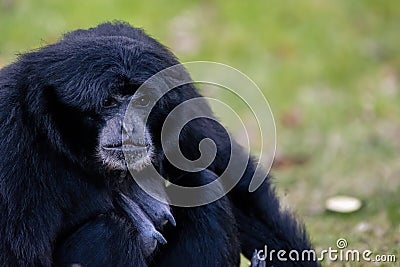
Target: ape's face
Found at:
86, 96
124, 134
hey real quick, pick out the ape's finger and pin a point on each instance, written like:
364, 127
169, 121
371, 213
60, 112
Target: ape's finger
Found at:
255, 262
158, 212
171, 219
159, 237
147, 233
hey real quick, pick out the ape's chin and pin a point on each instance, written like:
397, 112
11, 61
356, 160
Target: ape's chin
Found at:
137, 160
139, 164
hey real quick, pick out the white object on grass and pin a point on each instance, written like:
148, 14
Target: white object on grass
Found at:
343, 204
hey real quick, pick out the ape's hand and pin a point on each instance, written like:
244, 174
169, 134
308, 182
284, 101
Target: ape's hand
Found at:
148, 216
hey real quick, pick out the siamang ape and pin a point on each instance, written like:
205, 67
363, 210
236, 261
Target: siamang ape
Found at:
66, 196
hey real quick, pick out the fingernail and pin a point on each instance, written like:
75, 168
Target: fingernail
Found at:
160, 238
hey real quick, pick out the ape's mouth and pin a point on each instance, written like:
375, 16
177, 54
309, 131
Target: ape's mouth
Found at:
127, 146
120, 155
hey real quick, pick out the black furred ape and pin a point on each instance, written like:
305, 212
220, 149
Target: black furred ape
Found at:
65, 197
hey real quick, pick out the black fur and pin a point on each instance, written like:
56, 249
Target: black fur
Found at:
57, 202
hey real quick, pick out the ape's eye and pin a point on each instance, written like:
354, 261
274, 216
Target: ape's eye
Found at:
142, 101
109, 102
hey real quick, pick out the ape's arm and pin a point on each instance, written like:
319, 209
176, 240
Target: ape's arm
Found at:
205, 235
127, 236
261, 221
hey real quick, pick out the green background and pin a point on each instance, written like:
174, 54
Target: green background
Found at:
329, 69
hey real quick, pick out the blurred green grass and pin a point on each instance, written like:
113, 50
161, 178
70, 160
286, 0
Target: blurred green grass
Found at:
329, 69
